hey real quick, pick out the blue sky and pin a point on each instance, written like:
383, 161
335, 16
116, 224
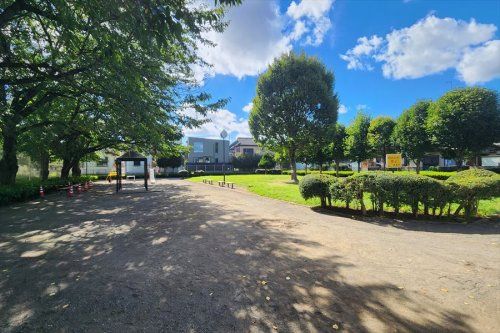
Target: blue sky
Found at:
385, 54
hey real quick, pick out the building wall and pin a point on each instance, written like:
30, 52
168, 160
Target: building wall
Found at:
239, 150
208, 150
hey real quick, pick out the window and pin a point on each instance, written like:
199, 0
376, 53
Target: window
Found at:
216, 147
216, 160
198, 147
103, 162
247, 151
137, 163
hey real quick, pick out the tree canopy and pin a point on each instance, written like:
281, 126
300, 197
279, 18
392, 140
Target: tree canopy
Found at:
410, 134
380, 135
294, 104
100, 73
463, 122
357, 145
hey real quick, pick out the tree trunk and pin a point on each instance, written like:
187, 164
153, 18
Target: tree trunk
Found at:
417, 162
66, 167
75, 170
320, 168
44, 165
359, 166
337, 167
8, 163
293, 164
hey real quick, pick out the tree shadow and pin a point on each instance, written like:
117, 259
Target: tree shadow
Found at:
171, 261
406, 221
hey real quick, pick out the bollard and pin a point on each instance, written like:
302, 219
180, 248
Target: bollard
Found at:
42, 193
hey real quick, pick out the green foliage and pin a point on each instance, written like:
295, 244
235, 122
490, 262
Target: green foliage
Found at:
463, 122
25, 190
380, 135
470, 186
183, 173
172, 162
328, 172
246, 162
99, 74
267, 161
294, 104
266, 171
315, 186
410, 134
357, 145
337, 146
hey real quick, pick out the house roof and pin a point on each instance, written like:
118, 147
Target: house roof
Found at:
243, 142
131, 155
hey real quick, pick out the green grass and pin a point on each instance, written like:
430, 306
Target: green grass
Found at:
280, 187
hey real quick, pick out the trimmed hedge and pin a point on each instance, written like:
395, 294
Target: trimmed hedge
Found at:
268, 172
25, 190
313, 172
422, 194
316, 186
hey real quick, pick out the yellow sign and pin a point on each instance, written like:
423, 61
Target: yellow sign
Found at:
393, 161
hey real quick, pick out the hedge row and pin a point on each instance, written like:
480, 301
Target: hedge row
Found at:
441, 175
420, 193
29, 189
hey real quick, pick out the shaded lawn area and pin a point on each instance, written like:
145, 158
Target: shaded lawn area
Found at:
280, 187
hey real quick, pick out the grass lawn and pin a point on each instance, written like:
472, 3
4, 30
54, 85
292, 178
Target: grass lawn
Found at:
280, 187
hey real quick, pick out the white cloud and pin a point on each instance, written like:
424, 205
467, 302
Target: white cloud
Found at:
222, 119
365, 47
258, 32
343, 109
480, 64
247, 108
311, 16
362, 107
432, 45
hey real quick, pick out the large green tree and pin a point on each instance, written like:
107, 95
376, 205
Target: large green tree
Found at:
357, 145
410, 133
50, 50
380, 136
295, 103
463, 122
338, 146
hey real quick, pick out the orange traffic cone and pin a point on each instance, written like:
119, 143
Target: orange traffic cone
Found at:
79, 189
70, 190
42, 193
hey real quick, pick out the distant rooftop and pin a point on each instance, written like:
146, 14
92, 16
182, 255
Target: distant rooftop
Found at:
243, 142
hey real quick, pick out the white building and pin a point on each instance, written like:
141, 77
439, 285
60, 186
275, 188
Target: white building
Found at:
107, 164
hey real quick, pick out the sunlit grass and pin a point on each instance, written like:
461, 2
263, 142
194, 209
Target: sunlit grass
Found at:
280, 187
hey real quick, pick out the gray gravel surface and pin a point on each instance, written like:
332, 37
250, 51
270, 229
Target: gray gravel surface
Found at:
188, 257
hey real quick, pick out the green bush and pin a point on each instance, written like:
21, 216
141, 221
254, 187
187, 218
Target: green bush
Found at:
183, 173
316, 186
470, 186
25, 189
327, 172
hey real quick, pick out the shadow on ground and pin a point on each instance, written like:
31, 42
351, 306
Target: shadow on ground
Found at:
169, 261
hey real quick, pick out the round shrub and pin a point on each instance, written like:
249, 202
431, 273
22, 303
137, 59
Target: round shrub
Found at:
183, 173
470, 186
315, 186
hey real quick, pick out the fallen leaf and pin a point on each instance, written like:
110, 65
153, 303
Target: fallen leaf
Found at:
275, 327
335, 326
288, 278
268, 298
444, 290
401, 287
263, 282
65, 306
470, 296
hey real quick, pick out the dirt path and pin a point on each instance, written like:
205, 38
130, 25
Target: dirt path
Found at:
191, 257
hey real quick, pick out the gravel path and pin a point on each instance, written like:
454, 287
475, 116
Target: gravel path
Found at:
189, 257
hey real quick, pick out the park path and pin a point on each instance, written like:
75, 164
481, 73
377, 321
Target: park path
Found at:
188, 257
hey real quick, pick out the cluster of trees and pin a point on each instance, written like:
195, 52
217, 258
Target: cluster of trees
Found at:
459, 125
80, 76
295, 112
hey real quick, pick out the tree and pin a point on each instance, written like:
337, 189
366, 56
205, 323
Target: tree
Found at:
337, 147
380, 135
357, 145
49, 50
246, 162
463, 122
267, 161
294, 103
170, 162
410, 133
